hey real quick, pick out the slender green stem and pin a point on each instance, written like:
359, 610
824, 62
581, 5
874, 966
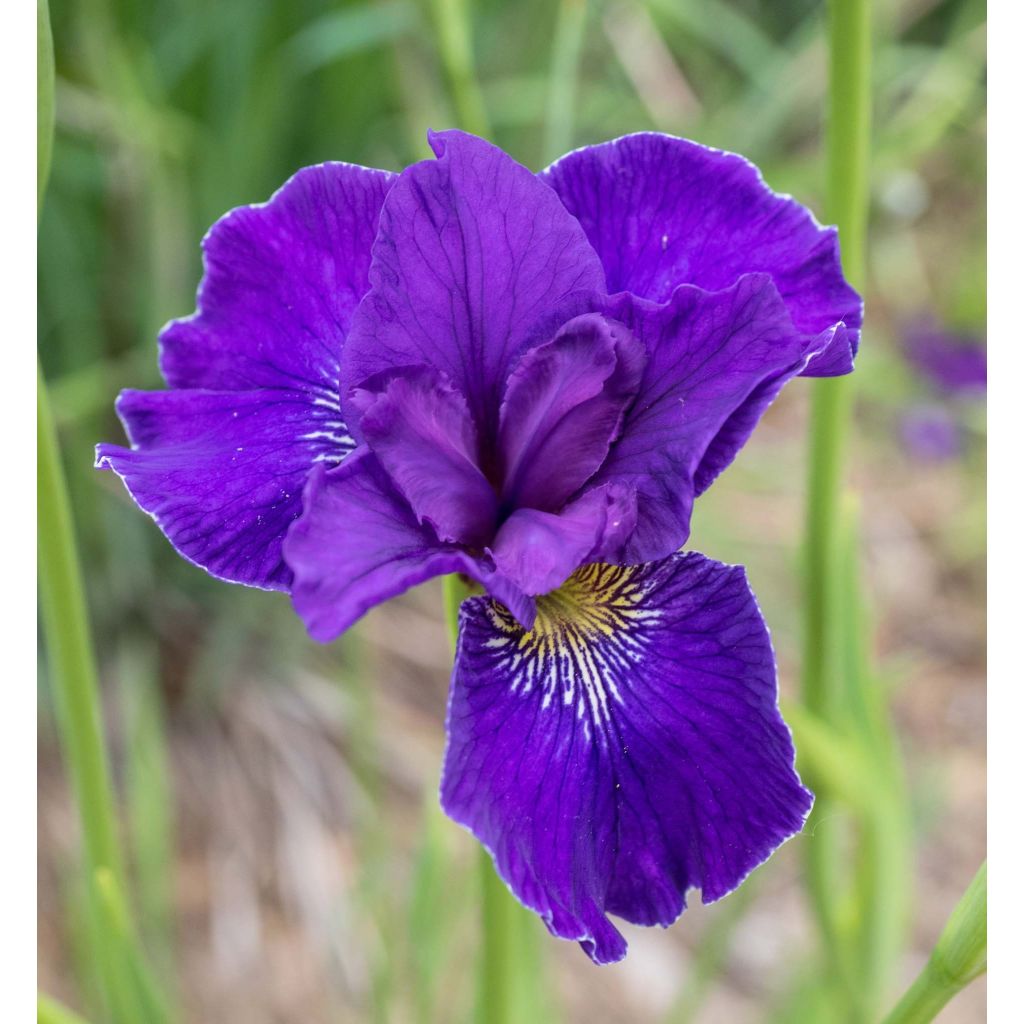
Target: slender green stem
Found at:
455, 42
960, 956
72, 665
847, 152
565, 59
44, 99
497, 953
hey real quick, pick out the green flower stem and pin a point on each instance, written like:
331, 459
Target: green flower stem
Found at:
455, 43
565, 59
847, 152
960, 956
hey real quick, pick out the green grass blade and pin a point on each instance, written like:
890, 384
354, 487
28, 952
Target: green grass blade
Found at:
455, 43
44, 98
339, 34
960, 956
150, 801
565, 58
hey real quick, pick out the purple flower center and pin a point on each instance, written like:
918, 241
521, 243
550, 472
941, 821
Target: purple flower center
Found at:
563, 408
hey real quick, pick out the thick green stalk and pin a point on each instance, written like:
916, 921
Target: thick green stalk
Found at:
565, 59
960, 956
847, 151
455, 42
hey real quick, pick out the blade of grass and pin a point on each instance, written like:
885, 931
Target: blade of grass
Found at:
44, 99
150, 800
455, 43
565, 58
960, 956
338, 34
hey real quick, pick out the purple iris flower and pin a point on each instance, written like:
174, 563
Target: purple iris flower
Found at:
953, 364
526, 379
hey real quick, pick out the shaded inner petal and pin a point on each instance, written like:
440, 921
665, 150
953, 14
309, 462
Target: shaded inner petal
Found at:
420, 429
538, 551
563, 408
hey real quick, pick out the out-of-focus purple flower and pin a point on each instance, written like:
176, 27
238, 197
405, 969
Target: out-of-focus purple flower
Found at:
526, 379
931, 433
953, 364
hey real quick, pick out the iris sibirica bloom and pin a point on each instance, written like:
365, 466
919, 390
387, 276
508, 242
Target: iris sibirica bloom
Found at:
525, 379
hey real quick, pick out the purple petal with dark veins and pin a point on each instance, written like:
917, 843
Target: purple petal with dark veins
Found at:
420, 429
472, 250
626, 749
563, 407
282, 280
715, 361
662, 212
359, 543
220, 464
222, 472
538, 551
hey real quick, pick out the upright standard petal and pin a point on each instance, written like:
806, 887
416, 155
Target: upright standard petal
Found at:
715, 360
420, 429
472, 251
281, 283
563, 407
222, 472
358, 543
626, 749
662, 212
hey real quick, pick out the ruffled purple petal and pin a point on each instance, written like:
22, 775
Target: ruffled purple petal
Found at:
281, 283
715, 362
627, 749
222, 472
563, 407
359, 543
472, 250
220, 465
420, 429
539, 551
662, 212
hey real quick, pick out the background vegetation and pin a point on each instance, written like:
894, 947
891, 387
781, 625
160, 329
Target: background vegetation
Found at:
287, 861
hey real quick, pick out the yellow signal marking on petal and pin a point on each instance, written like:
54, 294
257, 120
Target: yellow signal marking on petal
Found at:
583, 640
